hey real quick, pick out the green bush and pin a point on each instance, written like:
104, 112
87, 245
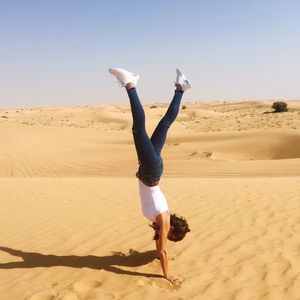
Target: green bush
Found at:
279, 106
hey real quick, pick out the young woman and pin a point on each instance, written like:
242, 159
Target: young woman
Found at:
154, 204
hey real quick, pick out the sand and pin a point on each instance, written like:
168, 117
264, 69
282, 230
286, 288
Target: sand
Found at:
71, 225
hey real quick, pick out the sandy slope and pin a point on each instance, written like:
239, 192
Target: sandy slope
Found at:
71, 226
71, 239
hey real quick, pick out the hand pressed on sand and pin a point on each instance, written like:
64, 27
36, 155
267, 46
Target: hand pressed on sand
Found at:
175, 280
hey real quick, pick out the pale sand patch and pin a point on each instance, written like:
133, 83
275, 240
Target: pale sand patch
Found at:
71, 239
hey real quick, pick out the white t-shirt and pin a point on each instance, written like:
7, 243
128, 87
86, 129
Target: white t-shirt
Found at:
153, 201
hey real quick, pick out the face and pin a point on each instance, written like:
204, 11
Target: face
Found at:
156, 227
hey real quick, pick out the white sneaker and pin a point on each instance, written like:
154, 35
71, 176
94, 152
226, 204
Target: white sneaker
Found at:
124, 77
182, 81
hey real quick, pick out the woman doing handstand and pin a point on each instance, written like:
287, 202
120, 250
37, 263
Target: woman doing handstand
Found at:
153, 202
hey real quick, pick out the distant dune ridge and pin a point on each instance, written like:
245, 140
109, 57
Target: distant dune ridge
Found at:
71, 225
48, 142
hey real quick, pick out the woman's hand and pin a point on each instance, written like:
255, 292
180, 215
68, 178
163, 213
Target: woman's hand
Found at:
176, 280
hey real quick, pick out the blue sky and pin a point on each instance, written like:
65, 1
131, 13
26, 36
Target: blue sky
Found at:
58, 52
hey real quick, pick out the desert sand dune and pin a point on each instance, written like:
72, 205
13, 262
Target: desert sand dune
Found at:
83, 237
253, 145
65, 152
71, 225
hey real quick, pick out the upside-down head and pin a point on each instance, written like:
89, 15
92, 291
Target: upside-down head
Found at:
179, 228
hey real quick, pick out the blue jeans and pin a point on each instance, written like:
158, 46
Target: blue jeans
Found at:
149, 149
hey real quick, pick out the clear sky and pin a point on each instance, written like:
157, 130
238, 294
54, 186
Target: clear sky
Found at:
57, 52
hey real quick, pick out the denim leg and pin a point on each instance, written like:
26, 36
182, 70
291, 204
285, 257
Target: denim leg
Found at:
159, 135
144, 147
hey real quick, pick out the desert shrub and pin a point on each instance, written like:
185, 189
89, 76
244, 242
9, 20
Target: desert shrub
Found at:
153, 106
279, 106
183, 107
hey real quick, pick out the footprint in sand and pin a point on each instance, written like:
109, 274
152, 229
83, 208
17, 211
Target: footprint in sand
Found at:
83, 289
162, 283
42, 295
171, 256
92, 295
85, 285
66, 295
88, 288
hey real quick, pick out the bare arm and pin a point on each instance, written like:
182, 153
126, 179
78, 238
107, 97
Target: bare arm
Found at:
163, 253
161, 244
163, 220
156, 244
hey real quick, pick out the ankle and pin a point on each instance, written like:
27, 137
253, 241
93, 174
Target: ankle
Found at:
129, 86
178, 87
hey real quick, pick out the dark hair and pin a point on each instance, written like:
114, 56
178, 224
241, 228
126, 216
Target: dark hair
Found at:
180, 228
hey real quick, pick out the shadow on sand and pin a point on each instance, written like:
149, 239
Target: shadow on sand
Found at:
107, 263
270, 112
